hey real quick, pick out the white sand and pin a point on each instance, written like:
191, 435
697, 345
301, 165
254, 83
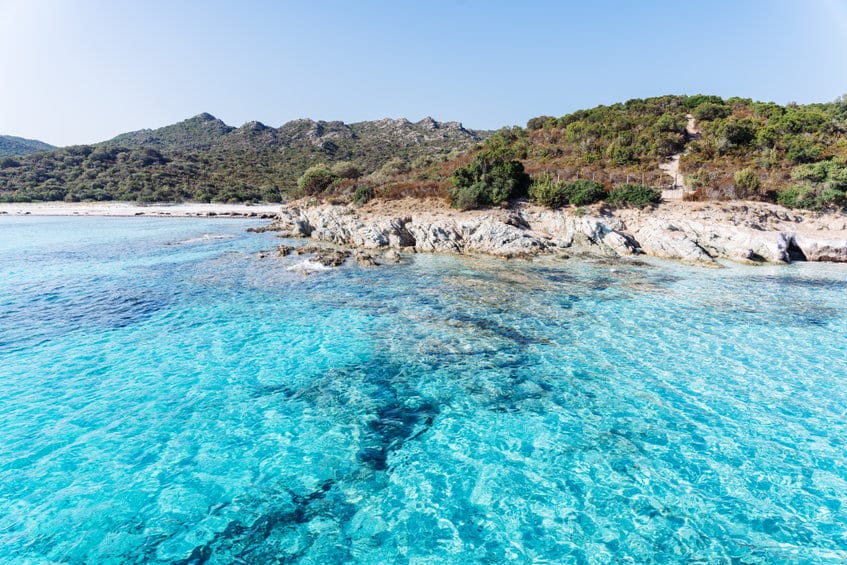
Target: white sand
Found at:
193, 209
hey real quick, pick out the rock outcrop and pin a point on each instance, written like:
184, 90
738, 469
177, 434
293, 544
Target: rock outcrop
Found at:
690, 232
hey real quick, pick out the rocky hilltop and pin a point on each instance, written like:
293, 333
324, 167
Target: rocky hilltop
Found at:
205, 132
204, 159
697, 233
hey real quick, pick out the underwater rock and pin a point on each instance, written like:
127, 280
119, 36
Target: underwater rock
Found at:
391, 256
365, 259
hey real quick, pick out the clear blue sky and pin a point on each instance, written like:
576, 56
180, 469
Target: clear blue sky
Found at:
81, 71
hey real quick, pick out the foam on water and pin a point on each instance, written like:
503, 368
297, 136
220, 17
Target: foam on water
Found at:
193, 403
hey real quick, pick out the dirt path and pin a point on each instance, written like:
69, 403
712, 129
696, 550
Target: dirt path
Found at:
671, 168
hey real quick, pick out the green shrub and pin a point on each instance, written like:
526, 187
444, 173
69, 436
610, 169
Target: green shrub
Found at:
746, 181
363, 195
583, 192
711, 111
488, 180
546, 191
634, 195
802, 151
315, 180
800, 195
692, 102
736, 132
346, 170
822, 185
468, 197
551, 193
394, 166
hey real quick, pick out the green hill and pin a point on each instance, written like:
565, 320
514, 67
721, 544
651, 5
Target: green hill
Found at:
204, 159
742, 149
15, 146
793, 154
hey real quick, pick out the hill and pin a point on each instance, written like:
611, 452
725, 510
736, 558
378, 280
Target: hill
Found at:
795, 155
202, 158
730, 149
12, 146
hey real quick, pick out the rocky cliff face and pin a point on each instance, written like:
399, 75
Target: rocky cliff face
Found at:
688, 232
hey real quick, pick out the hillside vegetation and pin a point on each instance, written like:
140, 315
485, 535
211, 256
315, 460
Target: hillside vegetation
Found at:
745, 150
792, 154
204, 159
11, 145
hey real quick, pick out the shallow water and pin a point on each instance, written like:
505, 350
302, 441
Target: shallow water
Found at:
166, 396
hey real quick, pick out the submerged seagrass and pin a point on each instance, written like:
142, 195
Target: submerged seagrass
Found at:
165, 396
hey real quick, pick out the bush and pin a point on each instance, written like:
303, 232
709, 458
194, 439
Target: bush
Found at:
746, 181
548, 192
363, 195
468, 197
394, 166
346, 170
315, 180
583, 192
800, 151
540, 122
634, 195
554, 194
736, 132
797, 196
822, 185
488, 181
711, 111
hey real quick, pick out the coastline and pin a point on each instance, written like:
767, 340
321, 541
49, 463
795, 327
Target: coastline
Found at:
700, 233
131, 209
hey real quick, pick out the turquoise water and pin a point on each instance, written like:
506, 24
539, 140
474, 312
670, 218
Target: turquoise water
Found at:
166, 396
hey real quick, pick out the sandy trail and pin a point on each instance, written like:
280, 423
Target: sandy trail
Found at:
671, 168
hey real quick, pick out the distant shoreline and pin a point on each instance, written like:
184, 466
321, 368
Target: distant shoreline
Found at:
131, 209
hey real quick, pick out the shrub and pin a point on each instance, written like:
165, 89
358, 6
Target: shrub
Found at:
800, 195
822, 185
315, 180
554, 194
737, 132
467, 197
363, 195
346, 170
800, 151
692, 102
488, 181
394, 166
540, 122
583, 192
634, 195
548, 192
746, 181
711, 111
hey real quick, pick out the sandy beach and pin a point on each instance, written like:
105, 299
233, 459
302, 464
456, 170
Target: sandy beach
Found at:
186, 210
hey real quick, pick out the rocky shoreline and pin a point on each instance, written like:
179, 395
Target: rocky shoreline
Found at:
691, 232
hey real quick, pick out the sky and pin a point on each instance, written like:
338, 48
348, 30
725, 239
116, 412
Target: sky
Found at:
82, 71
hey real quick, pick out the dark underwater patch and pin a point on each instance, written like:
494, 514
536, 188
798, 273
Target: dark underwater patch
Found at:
247, 541
49, 313
395, 423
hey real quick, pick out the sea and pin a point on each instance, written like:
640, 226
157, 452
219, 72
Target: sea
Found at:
167, 395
